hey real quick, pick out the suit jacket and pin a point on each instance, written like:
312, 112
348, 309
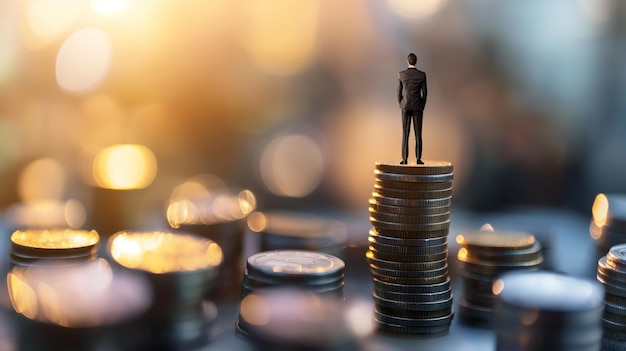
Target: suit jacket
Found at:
412, 89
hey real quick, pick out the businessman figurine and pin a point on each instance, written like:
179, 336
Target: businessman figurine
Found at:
412, 99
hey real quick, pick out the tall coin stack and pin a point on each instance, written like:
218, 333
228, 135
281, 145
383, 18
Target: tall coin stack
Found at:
612, 274
483, 257
410, 214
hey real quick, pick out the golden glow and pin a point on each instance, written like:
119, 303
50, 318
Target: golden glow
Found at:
162, 252
124, 167
83, 60
486, 228
55, 238
497, 287
460, 239
462, 254
23, 297
416, 9
43, 179
205, 200
81, 295
257, 222
281, 35
108, 6
600, 210
48, 19
292, 166
255, 310
48, 214
595, 231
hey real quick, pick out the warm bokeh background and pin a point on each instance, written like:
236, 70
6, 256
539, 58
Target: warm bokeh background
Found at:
295, 100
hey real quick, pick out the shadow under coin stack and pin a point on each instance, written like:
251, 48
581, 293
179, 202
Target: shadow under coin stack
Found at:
410, 214
612, 274
544, 311
483, 257
313, 272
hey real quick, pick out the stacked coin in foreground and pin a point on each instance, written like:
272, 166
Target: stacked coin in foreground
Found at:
612, 274
483, 257
295, 319
410, 214
314, 272
537, 311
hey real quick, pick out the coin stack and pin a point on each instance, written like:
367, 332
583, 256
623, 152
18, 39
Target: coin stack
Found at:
295, 319
410, 214
612, 274
313, 272
539, 311
483, 257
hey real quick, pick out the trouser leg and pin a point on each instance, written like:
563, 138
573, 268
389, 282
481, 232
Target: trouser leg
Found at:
417, 125
406, 130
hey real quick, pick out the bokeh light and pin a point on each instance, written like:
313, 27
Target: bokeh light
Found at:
292, 165
163, 252
108, 6
49, 19
281, 35
126, 166
85, 295
206, 199
83, 60
600, 210
415, 9
486, 228
43, 179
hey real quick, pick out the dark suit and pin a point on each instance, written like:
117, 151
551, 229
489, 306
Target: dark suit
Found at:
412, 100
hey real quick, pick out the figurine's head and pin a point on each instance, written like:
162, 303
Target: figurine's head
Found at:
411, 59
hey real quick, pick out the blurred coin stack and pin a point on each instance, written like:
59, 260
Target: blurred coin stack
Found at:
483, 257
544, 311
410, 214
612, 274
181, 269
312, 271
45, 246
296, 231
609, 216
293, 319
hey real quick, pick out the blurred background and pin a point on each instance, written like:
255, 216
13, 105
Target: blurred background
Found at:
112, 105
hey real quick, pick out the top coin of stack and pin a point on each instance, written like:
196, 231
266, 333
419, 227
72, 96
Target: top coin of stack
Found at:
612, 274
410, 214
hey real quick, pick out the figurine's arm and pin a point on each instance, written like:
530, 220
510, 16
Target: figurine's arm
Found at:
424, 91
399, 89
